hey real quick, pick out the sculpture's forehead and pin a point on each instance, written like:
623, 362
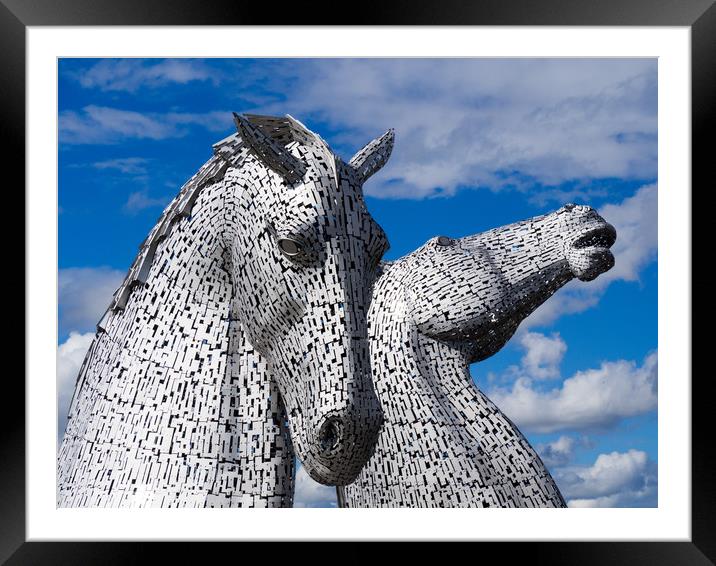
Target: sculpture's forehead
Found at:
331, 200
327, 203
437, 254
442, 265
341, 217
445, 251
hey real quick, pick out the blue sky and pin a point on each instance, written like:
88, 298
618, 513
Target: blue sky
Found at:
479, 143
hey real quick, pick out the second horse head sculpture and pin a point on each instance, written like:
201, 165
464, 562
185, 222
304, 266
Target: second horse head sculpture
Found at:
451, 303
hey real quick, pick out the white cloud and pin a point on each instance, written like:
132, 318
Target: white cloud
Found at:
635, 220
105, 125
140, 200
70, 355
541, 359
561, 451
617, 479
84, 293
595, 502
543, 354
558, 452
486, 122
129, 75
310, 493
590, 399
100, 124
126, 165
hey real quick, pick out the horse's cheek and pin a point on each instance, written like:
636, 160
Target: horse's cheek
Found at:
419, 311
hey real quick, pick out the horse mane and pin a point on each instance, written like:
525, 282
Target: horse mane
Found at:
227, 153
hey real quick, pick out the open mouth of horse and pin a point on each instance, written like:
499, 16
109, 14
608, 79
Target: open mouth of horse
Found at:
589, 255
602, 236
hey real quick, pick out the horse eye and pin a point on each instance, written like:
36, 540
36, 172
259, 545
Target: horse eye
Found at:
445, 241
290, 248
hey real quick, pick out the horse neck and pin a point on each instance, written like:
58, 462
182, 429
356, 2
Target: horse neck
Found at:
149, 385
256, 462
473, 433
409, 368
183, 306
434, 413
420, 378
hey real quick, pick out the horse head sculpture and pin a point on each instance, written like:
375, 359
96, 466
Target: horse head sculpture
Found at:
435, 311
488, 283
268, 247
304, 252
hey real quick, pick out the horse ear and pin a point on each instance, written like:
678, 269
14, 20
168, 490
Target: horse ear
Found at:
271, 154
299, 132
373, 156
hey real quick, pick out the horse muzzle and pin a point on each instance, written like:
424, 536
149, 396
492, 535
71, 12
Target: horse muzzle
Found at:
588, 255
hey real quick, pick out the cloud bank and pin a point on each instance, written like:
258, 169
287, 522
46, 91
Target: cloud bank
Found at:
125, 165
590, 399
559, 452
530, 124
486, 122
543, 354
105, 125
617, 479
129, 75
140, 200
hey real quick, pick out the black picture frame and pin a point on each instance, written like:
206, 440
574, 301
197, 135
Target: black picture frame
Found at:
17, 15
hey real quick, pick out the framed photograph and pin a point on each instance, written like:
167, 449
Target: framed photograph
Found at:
467, 130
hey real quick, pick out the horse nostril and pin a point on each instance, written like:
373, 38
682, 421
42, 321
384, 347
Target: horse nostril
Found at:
329, 437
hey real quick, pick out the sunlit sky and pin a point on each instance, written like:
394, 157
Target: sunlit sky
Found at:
479, 143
